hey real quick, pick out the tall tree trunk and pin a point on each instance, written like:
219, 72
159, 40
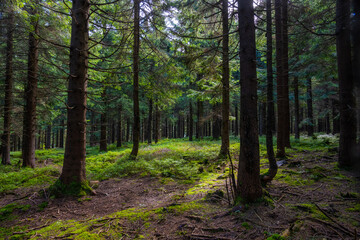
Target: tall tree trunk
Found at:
103, 123
236, 120
5, 141
356, 55
346, 84
62, 131
29, 127
310, 125
225, 141
127, 129
285, 62
297, 118
75, 149
48, 137
136, 70
270, 99
248, 186
119, 135
191, 121
157, 124
149, 123
280, 80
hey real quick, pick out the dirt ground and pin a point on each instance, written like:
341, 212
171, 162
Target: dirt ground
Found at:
323, 208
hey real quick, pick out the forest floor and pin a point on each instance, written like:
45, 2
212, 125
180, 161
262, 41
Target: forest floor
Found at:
183, 195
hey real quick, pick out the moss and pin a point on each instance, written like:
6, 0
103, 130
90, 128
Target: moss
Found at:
59, 189
246, 225
356, 208
311, 209
275, 237
43, 205
6, 213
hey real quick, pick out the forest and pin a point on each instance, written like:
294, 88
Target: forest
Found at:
180, 119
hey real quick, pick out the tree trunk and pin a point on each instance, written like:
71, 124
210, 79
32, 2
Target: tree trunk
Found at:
191, 121
149, 123
236, 120
356, 58
157, 124
5, 149
310, 125
29, 127
136, 70
119, 135
346, 84
270, 100
297, 118
248, 186
285, 62
62, 130
48, 137
225, 141
103, 123
75, 150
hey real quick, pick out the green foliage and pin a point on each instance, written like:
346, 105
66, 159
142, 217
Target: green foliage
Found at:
275, 237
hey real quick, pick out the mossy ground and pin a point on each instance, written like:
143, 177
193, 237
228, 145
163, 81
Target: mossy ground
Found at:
168, 192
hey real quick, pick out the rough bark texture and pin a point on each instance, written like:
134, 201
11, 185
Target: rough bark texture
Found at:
346, 84
225, 131
29, 129
270, 100
5, 140
310, 126
248, 186
297, 116
136, 70
75, 148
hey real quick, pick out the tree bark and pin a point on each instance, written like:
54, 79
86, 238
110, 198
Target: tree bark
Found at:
285, 62
29, 127
346, 85
9, 82
297, 117
270, 99
248, 186
75, 149
310, 125
48, 137
225, 140
136, 70
356, 59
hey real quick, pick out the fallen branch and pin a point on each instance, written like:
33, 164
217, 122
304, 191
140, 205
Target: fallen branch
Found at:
341, 226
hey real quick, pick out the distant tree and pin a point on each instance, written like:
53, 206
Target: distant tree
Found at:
29, 127
248, 186
136, 70
270, 99
225, 128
